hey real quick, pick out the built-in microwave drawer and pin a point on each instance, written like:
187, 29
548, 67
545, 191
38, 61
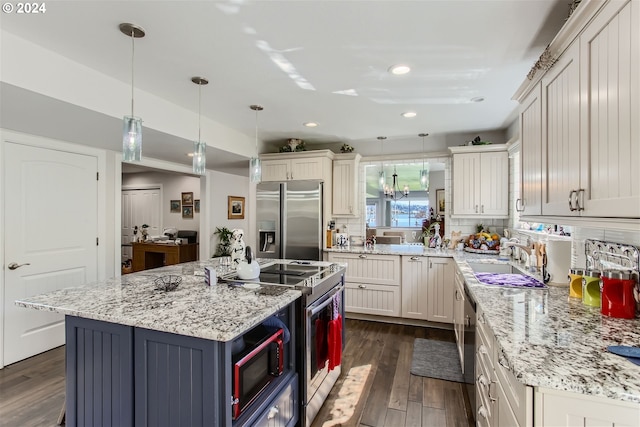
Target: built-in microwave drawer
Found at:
283, 410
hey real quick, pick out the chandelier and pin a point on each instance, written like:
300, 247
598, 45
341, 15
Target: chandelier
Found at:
393, 192
132, 125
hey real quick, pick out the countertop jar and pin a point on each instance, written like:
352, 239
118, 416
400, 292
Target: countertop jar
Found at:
617, 300
591, 288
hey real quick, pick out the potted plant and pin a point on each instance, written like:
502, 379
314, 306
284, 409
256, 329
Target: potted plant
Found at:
223, 247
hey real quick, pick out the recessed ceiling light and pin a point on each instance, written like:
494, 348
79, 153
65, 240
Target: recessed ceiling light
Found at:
399, 69
477, 99
310, 124
409, 114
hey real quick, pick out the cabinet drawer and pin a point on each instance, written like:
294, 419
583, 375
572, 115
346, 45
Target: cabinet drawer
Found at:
514, 391
369, 298
368, 268
282, 412
483, 331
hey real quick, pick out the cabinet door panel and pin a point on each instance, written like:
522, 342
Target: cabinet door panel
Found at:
440, 290
494, 181
610, 65
415, 271
466, 186
306, 169
344, 188
376, 269
561, 141
372, 299
275, 170
531, 154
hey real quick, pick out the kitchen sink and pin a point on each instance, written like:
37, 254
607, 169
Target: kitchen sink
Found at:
484, 267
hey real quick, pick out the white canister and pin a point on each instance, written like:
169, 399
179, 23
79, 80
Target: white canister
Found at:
558, 261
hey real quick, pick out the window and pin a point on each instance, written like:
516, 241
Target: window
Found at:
410, 211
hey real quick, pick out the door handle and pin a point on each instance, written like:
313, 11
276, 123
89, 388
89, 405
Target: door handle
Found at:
15, 265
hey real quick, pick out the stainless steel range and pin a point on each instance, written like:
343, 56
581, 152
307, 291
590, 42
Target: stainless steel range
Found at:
322, 286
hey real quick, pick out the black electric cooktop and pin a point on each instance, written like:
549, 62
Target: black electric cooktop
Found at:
288, 274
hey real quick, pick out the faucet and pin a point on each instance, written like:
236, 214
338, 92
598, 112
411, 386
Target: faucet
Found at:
517, 244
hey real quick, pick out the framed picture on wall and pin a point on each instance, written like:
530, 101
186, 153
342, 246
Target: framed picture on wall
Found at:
175, 206
187, 199
187, 212
440, 206
196, 205
235, 210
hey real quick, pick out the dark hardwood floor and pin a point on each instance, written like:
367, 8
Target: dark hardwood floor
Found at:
32, 391
374, 389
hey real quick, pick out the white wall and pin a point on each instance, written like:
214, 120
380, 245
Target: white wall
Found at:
221, 186
173, 185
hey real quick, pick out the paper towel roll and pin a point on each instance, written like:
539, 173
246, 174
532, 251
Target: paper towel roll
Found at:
558, 261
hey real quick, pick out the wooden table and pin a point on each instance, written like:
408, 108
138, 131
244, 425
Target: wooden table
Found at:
154, 255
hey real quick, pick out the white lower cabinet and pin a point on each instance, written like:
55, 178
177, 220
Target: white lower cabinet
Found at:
372, 283
560, 408
410, 287
415, 283
501, 400
440, 290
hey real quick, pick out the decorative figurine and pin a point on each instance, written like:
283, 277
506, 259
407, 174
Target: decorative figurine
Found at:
237, 247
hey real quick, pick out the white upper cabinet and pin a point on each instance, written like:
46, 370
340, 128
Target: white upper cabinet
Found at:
481, 181
345, 184
561, 135
297, 166
530, 202
589, 119
610, 112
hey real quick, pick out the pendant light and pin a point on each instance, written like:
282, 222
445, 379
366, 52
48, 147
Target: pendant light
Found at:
424, 173
199, 147
255, 166
132, 125
382, 179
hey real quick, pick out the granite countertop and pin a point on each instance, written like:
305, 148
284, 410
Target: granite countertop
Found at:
404, 249
218, 312
546, 338
550, 340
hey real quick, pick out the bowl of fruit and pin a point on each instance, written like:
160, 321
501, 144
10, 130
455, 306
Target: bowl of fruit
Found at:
483, 242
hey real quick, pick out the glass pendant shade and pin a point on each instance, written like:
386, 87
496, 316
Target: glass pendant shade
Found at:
382, 179
199, 157
255, 170
424, 179
132, 139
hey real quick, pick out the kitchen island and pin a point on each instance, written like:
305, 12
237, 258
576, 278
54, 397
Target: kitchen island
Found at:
549, 342
136, 355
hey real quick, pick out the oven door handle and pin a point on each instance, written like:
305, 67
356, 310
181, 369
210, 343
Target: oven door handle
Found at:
314, 308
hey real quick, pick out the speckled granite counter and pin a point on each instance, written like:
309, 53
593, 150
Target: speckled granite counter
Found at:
407, 249
218, 313
550, 340
546, 338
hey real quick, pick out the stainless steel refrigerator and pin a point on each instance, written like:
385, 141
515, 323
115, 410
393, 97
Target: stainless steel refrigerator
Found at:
289, 220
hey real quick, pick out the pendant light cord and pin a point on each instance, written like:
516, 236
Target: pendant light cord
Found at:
133, 50
256, 131
199, 108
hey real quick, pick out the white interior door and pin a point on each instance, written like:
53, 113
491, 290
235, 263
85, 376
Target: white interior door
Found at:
139, 206
51, 229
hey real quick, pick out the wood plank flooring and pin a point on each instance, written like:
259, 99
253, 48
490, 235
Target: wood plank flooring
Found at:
32, 391
376, 388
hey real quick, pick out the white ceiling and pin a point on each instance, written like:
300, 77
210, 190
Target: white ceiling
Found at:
323, 61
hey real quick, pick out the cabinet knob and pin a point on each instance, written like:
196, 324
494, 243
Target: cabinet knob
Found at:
481, 208
362, 286
362, 256
476, 208
414, 258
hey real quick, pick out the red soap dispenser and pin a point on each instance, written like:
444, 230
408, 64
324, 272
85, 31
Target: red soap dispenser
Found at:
618, 294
